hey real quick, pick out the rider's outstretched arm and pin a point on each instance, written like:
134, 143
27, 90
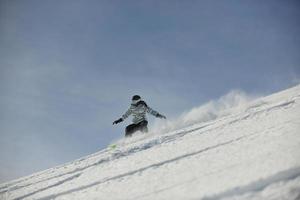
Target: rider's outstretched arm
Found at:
127, 113
155, 113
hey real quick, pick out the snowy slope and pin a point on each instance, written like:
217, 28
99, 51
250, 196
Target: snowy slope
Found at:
251, 153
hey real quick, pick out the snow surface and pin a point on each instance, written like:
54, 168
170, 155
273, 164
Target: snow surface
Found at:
248, 153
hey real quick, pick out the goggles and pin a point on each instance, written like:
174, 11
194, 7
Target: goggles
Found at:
135, 101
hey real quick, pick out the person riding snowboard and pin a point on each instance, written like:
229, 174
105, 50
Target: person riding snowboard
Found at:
138, 109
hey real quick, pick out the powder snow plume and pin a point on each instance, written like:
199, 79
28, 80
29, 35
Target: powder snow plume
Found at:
234, 101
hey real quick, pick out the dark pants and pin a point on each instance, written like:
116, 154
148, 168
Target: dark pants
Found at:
141, 126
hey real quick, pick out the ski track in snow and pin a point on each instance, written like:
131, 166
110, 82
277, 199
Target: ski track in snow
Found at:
54, 185
141, 169
258, 185
34, 186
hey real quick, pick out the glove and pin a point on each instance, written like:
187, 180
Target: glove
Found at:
118, 121
160, 116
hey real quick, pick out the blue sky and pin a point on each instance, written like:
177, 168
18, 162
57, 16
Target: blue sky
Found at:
68, 68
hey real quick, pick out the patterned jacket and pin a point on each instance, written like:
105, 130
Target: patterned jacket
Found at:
139, 111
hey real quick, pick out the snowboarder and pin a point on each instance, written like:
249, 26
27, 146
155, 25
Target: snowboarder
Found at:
138, 109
